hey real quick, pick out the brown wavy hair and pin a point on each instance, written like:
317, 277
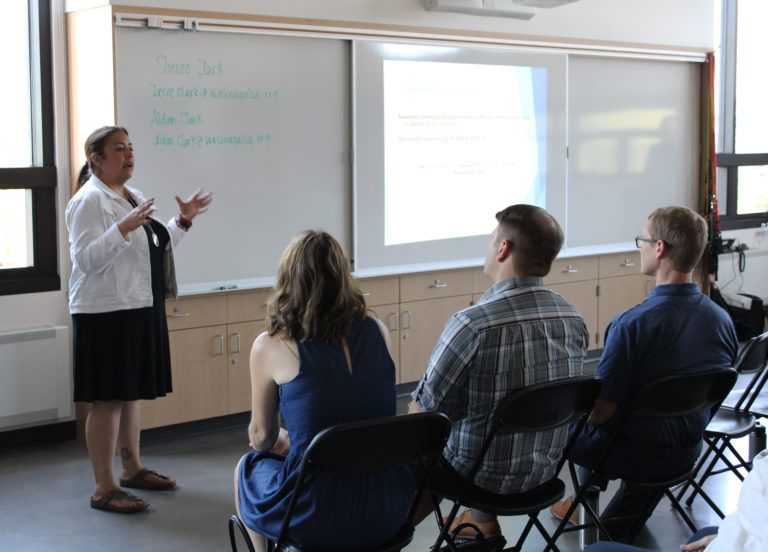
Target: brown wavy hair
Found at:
314, 296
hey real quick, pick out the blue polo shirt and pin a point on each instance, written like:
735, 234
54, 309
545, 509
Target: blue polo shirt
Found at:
676, 330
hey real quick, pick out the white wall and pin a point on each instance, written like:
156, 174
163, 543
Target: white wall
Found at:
687, 23
680, 23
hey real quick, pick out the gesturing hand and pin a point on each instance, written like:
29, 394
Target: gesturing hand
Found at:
136, 218
195, 204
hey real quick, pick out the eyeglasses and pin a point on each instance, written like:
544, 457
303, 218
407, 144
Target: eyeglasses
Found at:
639, 241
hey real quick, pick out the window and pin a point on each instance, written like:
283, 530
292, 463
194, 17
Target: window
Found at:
743, 142
27, 173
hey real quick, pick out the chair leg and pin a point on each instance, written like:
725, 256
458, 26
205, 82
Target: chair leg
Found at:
589, 535
527, 529
696, 470
442, 536
712, 448
676, 505
707, 499
757, 441
234, 521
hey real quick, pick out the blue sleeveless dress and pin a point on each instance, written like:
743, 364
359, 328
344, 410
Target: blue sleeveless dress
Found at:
335, 512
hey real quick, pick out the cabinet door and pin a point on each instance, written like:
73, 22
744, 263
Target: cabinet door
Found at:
391, 318
199, 363
583, 296
421, 323
618, 295
380, 291
239, 340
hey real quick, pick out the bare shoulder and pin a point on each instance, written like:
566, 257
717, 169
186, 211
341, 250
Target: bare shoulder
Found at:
263, 344
382, 326
384, 333
271, 355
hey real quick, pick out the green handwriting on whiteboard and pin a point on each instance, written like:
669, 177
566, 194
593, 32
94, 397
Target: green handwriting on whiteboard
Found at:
213, 93
203, 67
210, 140
161, 118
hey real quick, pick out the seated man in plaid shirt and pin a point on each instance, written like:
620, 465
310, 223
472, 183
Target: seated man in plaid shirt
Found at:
520, 333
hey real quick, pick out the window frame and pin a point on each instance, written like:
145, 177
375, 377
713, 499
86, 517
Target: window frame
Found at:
727, 158
41, 180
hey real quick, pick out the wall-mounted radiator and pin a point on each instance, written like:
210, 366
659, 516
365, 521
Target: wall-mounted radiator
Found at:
35, 377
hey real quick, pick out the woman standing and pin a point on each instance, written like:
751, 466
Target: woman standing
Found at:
322, 361
122, 272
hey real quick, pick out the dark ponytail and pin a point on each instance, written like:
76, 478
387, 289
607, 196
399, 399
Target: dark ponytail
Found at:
85, 174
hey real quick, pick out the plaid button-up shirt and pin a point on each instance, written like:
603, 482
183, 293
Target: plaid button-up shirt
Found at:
520, 333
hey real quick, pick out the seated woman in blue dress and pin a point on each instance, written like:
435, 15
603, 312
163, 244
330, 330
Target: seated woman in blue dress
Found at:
322, 361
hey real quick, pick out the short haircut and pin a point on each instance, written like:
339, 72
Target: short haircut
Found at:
684, 232
534, 235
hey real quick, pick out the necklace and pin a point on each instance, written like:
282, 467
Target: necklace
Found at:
148, 226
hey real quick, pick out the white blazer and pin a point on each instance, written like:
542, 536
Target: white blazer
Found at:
110, 273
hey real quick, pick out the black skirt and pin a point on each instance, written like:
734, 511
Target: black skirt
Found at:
124, 355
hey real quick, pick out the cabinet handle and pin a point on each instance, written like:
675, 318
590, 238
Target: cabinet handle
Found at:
438, 284
397, 321
627, 262
410, 319
570, 269
178, 315
367, 294
237, 336
221, 345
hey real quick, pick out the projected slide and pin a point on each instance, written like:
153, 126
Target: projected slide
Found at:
459, 139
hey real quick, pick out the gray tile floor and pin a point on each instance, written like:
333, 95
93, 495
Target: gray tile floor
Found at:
44, 502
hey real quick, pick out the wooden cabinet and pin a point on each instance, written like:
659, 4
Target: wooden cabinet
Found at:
576, 280
389, 314
428, 300
621, 286
199, 363
619, 294
421, 323
210, 338
211, 335
577, 269
583, 296
239, 340
382, 295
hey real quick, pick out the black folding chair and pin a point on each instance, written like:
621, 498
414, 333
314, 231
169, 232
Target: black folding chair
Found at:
533, 409
733, 421
669, 396
364, 446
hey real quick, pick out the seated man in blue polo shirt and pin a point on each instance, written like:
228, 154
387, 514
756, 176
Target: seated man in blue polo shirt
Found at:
676, 330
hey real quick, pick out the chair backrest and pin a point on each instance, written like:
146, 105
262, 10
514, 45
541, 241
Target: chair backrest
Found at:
541, 407
549, 405
753, 359
683, 394
753, 356
379, 443
370, 445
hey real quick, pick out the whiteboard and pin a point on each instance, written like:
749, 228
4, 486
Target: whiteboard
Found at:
266, 122
632, 138
261, 121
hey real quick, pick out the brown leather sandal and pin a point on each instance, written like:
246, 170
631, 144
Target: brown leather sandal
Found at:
143, 480
108, 502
